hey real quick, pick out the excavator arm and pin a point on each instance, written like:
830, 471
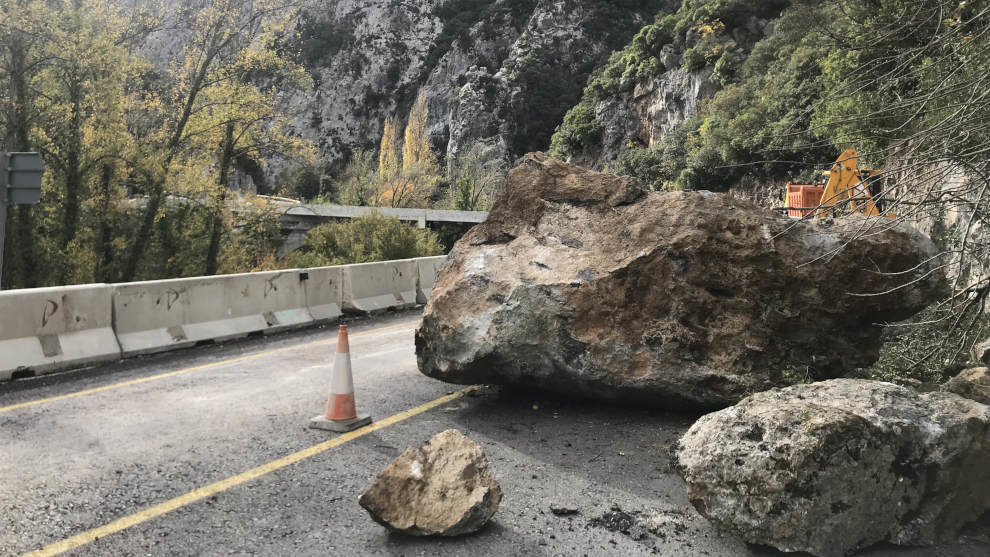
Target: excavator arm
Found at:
846, 183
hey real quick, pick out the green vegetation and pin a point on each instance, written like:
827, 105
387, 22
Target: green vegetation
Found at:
789, 101
761, 113
140, 160
550, 89
473, 183
369, 238
932, 347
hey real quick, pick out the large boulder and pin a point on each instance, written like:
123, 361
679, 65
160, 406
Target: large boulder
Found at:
443, 489
835, 466
582, 283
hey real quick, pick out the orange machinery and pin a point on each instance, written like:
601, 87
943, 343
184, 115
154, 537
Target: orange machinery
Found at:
846, 184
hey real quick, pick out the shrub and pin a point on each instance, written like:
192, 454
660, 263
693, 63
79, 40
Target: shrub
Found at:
929, 348
578, 132
694, 60
372, 237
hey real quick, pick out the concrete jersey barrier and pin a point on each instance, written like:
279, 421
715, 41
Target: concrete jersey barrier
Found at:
376, 286
49, 329
160, 315
427, 269
324, 287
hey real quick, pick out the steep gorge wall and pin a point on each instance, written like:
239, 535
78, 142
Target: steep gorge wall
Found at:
498, 76
655, 85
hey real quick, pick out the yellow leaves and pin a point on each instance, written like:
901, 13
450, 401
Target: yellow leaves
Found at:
388, 155
709, 28
408, 180
416, 148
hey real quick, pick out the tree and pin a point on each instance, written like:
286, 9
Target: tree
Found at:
410, 188
87, 90
229, 39
76, 76
24, 26
410, 183
416, 149
908, 85
359, 183
474, 182
388, 153
242, 119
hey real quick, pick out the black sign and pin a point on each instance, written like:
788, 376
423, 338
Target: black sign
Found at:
20, 176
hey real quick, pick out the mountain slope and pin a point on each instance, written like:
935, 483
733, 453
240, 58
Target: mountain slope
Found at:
499, 75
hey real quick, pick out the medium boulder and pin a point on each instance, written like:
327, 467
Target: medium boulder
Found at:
443, 489
972, 383
584, 284
835, 466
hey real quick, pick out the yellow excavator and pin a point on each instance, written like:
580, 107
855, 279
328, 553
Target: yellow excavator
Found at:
846, 184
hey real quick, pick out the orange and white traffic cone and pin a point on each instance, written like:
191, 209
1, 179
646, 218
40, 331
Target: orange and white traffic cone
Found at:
341, 413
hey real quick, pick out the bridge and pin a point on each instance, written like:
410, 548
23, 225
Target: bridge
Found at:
297, 219
169, 418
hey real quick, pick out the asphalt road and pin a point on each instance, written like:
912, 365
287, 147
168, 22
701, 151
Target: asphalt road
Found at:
120, 451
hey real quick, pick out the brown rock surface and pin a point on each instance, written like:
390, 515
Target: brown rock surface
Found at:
581, 283
443, 489
980, 353
972, 383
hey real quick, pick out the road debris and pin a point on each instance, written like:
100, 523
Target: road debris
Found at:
443, 489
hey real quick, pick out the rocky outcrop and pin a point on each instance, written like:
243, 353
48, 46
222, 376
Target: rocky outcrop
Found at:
972, 383
581, 283
654, 86
470, 58
495, 74
832, 467
505, 110
443, 489
650, 111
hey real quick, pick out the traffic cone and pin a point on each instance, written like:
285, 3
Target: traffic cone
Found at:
341, 414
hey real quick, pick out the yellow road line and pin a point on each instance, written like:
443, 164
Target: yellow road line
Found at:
191, 369
233, 481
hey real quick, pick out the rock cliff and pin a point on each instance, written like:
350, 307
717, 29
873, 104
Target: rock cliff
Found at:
497, 75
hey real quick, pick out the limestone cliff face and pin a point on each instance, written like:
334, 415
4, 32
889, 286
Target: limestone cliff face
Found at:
363, 55
507, 109
654, 108
655, 84
498, 76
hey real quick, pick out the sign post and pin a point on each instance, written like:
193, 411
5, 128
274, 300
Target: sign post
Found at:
20, 184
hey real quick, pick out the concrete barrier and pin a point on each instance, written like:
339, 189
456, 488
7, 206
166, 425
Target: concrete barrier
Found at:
49, 329
428, 268
160, 315
324, 287
376, 286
